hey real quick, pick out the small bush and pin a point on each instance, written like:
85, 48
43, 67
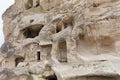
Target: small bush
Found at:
30, 77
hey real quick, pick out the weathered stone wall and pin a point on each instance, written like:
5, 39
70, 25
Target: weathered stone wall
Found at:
57, 34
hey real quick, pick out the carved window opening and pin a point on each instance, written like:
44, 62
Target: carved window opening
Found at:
31, 21
65, 26
51, 77
38, 55
29, 4
62, 51
32, 3
95, 5
18, 60
37, 4
58, 28
32, 31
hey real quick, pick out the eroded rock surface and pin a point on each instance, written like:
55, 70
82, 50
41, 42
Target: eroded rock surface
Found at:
63, 39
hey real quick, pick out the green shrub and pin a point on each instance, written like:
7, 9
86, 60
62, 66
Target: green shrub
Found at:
30, 77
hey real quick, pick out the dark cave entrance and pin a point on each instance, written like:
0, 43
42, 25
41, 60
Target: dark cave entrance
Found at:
38, 55
52, 77
29, 4
18, 60
32, 31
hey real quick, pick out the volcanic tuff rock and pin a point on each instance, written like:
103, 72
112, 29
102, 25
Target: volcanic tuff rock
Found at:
62, 40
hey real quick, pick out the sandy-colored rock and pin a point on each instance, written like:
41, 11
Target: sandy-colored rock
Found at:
6, 74
62, 39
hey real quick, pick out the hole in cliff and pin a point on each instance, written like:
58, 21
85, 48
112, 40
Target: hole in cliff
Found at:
32, 31
95, 5
29, 4
51, 77
58, 30
18, 60
81, 36
31, 20
38, 55
37, 4
58, 27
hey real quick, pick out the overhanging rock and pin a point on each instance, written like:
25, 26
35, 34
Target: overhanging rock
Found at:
103, 70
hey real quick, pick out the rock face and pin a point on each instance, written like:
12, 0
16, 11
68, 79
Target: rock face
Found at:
63, 39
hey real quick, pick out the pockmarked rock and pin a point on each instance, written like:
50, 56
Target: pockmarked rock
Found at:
61, 40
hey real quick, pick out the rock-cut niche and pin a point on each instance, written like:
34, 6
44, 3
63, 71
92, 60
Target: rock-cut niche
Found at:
32, 31
52, 77
38, 55
62, 51
32, 3
18, 60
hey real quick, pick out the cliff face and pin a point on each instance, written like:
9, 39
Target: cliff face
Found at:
67, 39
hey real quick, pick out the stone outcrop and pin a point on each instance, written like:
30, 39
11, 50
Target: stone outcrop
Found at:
62, 39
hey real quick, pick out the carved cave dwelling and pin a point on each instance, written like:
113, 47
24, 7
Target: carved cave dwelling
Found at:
61, 40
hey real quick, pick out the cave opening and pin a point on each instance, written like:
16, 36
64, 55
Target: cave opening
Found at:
32, 31
51, 77
37, 3
29, 4
58, 29
18, 60
38, 55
